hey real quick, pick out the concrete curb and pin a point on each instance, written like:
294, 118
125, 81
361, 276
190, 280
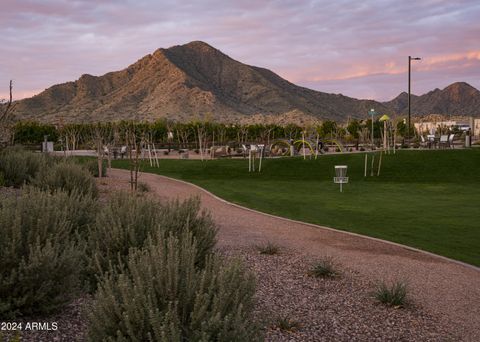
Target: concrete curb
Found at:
321, 227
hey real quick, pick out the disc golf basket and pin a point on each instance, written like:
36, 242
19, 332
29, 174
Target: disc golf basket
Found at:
340, 175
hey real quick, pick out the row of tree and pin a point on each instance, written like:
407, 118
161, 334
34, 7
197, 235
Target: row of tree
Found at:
183, 135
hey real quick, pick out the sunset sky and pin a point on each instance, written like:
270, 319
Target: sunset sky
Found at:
357, 48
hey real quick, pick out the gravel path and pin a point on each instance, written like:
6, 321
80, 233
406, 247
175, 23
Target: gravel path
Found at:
446, 295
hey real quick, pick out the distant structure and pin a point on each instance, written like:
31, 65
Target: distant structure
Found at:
476, 128
463, 124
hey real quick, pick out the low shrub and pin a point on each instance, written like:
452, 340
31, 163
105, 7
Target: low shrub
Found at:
92, 166
393, 295
285, 323
176, 216
19, 167
126, 222
159, 295
66, 176
143, 187
268, 248
324, 268
41, 251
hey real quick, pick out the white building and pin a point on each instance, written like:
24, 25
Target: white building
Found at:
430, 127
476, 128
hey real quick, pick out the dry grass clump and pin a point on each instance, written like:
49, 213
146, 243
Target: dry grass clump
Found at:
394, 294
268, 248
324, 268
285, 323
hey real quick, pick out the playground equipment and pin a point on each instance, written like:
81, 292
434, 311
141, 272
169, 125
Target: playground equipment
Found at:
254, 152
304, 143
340, 176
280, 147
335, 142
284, 147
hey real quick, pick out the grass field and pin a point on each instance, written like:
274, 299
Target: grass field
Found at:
424, 199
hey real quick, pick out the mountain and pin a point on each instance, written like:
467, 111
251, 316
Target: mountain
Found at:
195, 81
459, 99
187, 82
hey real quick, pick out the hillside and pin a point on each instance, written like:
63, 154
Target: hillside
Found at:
459, 99
195, 81
184, 83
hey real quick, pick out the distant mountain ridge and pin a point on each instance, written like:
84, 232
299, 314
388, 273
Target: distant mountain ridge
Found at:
195, 80
460, 99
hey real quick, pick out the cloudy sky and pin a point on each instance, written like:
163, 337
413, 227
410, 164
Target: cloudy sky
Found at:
357, 48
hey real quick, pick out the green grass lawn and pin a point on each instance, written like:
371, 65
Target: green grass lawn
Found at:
424, 199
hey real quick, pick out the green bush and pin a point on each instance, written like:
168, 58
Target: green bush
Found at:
28, 132
126, 222
92, 166
159, 295
143, 187
324, 268
268, 248
176, 216
41, 253
20, 167
393, 295
66, 176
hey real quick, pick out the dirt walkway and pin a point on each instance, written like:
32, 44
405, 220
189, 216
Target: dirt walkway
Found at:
448, 291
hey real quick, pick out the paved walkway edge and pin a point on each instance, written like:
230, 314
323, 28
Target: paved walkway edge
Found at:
318, 226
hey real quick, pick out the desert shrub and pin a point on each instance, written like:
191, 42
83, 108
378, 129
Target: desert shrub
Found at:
394, 294
324, 268
160, 295
285, 323
66, 176
126, 223
143, 187
40, 251
268, 248
19, 166
175, 216
92, 166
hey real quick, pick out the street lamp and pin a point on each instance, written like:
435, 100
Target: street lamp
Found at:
410, 59
372, 113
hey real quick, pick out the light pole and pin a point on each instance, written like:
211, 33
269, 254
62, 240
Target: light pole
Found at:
372, 113
410, 58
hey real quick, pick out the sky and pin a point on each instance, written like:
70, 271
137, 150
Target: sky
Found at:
357, 48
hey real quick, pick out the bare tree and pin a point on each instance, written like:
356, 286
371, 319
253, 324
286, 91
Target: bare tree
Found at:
131, 141
100, 136
6, 117
202, 138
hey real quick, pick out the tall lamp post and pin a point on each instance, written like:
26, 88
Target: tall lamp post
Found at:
372, 114
410, 59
